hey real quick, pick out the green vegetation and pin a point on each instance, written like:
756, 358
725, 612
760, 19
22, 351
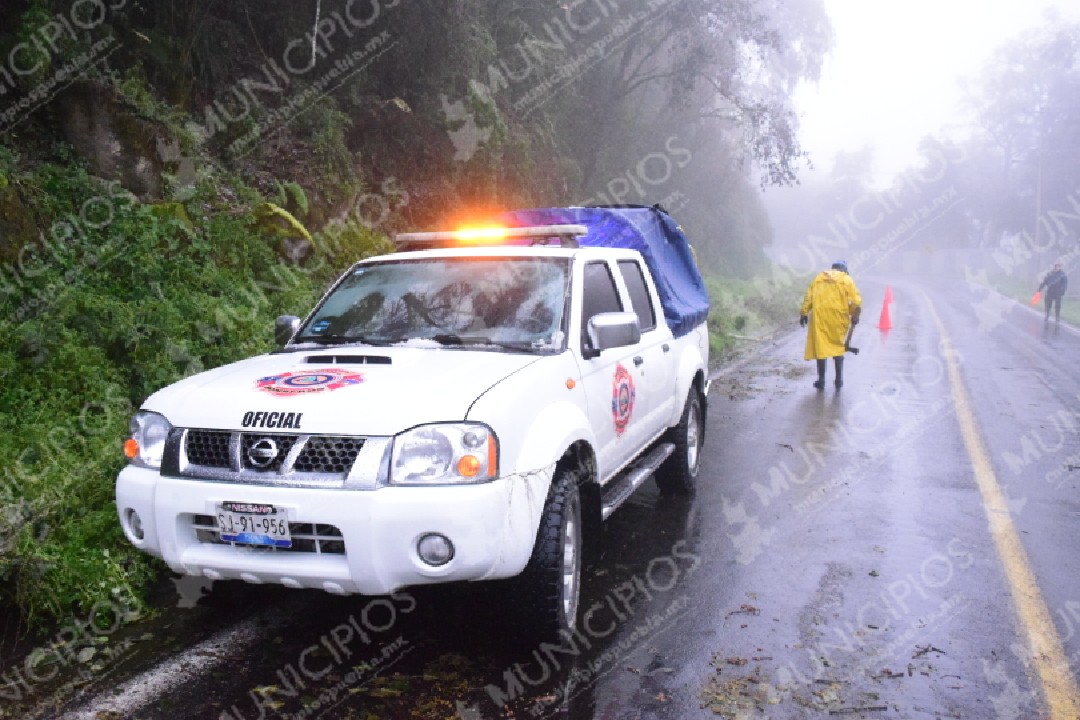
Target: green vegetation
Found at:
119, 300
741, 313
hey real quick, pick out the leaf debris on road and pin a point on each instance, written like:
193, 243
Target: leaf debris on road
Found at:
921, 650
744, 609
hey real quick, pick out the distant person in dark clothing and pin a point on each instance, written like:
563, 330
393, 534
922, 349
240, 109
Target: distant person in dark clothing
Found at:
1055, 282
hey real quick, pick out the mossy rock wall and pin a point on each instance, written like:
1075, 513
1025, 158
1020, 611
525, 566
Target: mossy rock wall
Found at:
117, 144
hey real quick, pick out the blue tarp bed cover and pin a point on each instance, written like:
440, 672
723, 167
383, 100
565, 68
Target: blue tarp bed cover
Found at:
651, 232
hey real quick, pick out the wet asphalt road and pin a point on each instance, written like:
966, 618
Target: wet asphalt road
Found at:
837, 560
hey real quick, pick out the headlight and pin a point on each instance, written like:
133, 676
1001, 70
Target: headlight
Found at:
147, 442
444, 454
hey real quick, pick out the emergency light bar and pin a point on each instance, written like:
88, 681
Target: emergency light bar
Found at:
538, 235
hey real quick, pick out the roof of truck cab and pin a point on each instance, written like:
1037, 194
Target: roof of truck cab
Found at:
506, 251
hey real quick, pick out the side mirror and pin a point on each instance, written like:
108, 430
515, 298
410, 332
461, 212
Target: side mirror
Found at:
285, 327
612, 330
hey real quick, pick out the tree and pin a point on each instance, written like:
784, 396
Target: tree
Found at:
1025, 105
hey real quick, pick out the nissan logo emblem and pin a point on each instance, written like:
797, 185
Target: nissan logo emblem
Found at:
263, 453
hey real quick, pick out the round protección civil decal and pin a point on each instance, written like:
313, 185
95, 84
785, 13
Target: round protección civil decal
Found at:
311, 381
622, 398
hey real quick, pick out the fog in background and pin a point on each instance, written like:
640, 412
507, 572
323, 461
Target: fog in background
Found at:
945, 139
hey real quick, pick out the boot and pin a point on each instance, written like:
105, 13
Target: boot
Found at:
820, 382
838, 364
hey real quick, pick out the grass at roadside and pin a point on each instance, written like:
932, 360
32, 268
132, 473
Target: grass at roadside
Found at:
742, 314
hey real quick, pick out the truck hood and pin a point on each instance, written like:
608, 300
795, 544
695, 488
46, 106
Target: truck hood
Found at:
353, 391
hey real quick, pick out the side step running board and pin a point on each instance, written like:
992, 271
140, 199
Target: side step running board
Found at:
618, 490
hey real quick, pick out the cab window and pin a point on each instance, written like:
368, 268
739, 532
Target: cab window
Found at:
600, 296
639, 293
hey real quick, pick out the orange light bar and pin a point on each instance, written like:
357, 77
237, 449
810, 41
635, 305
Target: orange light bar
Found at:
491, 234
479, 234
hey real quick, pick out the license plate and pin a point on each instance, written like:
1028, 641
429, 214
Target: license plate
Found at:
253, 524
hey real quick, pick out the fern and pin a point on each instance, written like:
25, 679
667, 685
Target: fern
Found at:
297, 195
279, 221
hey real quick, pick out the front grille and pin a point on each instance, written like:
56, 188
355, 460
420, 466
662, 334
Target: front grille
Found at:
332, 455
263, 457
209, 448
318, 538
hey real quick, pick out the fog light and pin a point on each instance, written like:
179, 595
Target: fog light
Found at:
134, 524
435, 549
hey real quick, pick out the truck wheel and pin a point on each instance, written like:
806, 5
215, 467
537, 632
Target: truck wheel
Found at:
679, 472
552, 579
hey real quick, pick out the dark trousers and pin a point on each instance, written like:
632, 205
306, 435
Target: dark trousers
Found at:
1055, 302
838, 364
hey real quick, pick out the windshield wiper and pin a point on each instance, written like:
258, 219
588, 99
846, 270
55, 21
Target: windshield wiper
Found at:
518, 345
344, 340
457, 340
454, 339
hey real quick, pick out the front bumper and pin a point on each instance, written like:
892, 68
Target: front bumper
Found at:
492, 527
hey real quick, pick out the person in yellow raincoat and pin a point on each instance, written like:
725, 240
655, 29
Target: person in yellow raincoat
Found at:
831, 305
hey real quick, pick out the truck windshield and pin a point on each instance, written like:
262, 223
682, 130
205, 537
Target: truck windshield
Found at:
502, 302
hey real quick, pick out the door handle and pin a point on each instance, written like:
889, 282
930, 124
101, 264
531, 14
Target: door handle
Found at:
638, 361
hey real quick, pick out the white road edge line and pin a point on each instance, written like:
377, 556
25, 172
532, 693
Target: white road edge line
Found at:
1047, 652
148, 687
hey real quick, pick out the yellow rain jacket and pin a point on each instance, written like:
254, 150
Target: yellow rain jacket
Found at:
830, 301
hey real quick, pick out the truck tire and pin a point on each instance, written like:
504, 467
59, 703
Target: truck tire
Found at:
551, 587
678, 474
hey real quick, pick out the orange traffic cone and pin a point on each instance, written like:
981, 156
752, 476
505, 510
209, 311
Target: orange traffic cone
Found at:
885, 323
888, 294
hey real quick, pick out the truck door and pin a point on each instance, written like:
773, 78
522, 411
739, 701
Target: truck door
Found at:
653, 361
610, 380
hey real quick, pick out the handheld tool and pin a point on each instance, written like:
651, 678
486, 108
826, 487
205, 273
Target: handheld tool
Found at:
847, 341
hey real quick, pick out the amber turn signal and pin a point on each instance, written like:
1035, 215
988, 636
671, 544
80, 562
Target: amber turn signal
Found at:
469, 466
131, 448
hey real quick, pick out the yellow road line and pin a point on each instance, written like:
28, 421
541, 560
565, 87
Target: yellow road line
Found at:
1048, 654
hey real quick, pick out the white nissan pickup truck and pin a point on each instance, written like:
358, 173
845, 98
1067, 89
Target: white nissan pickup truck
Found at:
471, 409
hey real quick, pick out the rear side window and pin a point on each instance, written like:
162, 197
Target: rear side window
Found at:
600, 295
639, 293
